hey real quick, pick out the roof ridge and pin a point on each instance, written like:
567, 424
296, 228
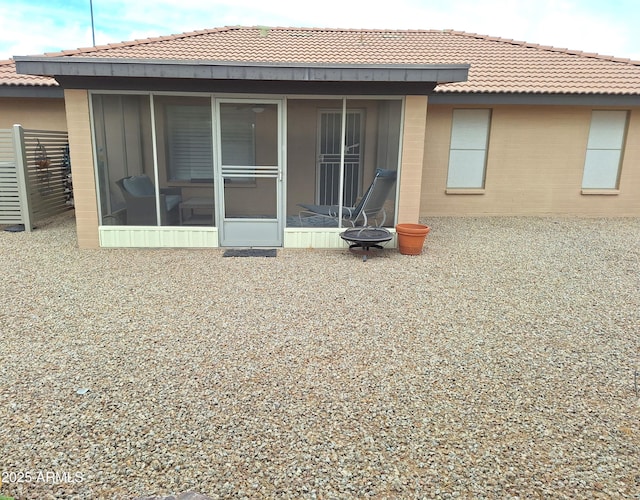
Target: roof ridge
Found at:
548, 48
319, 28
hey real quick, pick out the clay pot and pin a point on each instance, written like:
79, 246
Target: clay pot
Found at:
411, 238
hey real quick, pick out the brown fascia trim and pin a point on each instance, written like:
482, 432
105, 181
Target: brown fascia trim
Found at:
224, 70
32, 91
526, 99
246, 86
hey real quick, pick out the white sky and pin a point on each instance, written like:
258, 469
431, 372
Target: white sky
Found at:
37, 26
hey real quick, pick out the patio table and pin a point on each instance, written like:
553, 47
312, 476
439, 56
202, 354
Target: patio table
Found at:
192, 204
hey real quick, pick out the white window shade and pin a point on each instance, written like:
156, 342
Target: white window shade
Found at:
189, 142
607, 129
468, 151
604, 149
466, 169
601, 169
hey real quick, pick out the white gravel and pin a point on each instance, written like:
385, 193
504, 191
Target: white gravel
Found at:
499, 364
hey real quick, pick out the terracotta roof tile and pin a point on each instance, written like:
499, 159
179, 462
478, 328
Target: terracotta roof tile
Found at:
497, 65
8, 76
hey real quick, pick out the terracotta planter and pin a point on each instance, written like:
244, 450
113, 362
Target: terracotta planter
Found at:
411, 238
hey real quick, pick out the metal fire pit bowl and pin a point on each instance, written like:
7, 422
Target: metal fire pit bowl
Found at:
364, 240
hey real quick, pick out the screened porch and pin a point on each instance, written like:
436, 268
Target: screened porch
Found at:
242, 165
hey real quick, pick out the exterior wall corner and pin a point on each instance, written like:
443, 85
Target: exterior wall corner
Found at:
84, 185
413, 142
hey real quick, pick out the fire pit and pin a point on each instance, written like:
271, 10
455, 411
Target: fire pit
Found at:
363, 240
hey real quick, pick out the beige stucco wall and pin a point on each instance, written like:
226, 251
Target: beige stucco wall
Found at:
33, 113
84, 186
534, 166
413, 149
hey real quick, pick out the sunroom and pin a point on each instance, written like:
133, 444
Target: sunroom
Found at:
243, 155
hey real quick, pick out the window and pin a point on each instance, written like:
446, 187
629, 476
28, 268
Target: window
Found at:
604, 150
123, 138
468, 150
331, 165
329, 136
189, 142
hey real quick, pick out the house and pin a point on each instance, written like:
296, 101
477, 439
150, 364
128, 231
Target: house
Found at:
35, 102
215, 138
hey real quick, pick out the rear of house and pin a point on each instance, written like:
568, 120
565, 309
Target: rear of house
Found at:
216, 138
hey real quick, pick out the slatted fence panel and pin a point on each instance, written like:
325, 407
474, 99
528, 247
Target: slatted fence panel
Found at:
10, 206
47, 157
35, 175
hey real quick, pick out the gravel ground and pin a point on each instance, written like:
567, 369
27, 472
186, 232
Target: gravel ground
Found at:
499, 364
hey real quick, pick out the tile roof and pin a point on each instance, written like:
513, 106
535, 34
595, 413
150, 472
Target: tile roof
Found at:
497, 65
8, 76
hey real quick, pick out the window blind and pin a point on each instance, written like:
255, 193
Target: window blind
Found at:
468, 150
604, 149
189, 142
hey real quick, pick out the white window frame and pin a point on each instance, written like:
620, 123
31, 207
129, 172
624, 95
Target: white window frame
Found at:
605, 147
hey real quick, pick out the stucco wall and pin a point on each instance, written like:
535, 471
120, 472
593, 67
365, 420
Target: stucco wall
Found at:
84, 186
534, 167
32, 113
413, 149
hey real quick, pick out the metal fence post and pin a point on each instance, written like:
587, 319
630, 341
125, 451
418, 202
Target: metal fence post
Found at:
23, 177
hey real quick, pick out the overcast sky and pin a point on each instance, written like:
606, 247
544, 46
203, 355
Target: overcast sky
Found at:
36, 26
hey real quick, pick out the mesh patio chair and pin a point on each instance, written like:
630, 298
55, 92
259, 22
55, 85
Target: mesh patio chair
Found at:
371, 204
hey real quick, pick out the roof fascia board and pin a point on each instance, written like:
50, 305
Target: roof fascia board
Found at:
48, 92
246, 86
535, 99
76, 66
